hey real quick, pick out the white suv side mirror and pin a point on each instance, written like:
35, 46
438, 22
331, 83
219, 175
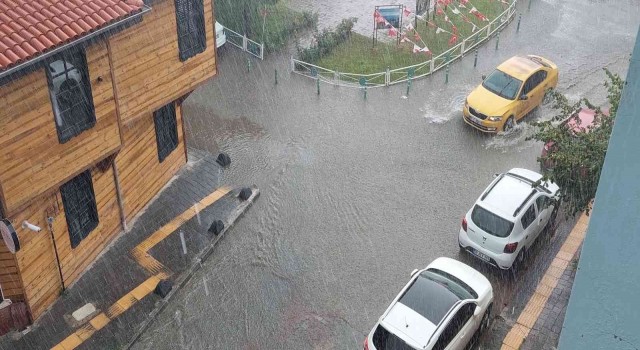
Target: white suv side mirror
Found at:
477, 311
414, 272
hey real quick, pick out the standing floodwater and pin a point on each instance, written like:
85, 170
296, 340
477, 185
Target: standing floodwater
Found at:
356, 194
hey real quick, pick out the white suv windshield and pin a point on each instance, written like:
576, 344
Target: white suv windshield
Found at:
490, 222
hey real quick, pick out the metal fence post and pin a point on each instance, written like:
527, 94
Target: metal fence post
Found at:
519, 19
475, 60
489, 29
462, 48
497, 40
446, 75
432, 65
318, 83
244, 42
293, 64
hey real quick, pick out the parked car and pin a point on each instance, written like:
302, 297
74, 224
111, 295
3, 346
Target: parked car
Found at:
514, 89
508, 217
586, 118
444, 306
221, 37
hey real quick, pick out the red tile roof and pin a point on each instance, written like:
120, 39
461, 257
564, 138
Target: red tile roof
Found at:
29, 28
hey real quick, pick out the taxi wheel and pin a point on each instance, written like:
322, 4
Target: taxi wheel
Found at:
509, 124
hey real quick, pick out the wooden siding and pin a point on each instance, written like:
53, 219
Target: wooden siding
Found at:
33, 161
37, 261
141, 174
147, 69
9, 277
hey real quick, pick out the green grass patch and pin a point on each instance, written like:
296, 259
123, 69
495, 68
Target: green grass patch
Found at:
358, 55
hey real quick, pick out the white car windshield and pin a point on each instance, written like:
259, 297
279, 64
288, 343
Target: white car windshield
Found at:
502, 84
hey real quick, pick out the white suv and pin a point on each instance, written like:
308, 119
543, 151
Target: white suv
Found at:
508, 217
444, 306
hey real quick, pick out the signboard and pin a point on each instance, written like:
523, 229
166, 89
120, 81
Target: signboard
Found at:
388, 18
392, 14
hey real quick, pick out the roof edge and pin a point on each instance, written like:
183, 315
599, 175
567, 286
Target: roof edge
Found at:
26, 64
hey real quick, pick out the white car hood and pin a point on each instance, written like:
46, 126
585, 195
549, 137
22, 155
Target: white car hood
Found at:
408, 325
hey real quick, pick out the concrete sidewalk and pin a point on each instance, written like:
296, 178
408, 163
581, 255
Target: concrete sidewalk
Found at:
535, 319
121, 281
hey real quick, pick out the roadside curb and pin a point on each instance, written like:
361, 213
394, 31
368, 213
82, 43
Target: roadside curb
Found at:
185, 277
535, 306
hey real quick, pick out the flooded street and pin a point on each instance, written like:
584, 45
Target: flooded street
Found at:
355, 194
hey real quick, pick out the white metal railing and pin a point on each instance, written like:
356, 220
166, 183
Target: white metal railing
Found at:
244, 43
399, 75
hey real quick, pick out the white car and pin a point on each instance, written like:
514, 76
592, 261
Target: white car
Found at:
221, 37
444, 306
508, 217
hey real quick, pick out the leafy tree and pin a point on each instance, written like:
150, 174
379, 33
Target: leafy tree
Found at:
242, 14
578, 157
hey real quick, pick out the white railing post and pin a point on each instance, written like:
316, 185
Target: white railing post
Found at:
336, 75
387, 77
489, 29
432, 65
293, 65
462, 48
244, 42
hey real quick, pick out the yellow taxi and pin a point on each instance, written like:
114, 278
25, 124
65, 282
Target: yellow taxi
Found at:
514, 89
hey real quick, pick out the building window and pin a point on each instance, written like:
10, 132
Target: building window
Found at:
192, 38
70, 91
80, 208
166, 130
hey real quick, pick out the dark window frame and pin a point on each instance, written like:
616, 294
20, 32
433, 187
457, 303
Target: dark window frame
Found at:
165, 123
75, 115
191, 28
80, 207
524, 219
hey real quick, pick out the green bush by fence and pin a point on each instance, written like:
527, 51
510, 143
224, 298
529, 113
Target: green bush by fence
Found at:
327, 40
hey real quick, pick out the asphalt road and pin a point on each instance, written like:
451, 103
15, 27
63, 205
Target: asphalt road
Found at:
356, 194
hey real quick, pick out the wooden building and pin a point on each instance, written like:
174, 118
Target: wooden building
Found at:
91, 126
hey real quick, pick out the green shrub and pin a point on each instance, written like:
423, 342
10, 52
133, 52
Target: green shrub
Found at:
325, 41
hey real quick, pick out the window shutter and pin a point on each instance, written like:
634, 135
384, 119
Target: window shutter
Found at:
79, 201
166, 130
192, 38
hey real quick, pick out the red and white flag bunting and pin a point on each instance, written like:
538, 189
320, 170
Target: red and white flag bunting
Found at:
453, 40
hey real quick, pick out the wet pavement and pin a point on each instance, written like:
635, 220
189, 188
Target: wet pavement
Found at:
356, 194
108, 283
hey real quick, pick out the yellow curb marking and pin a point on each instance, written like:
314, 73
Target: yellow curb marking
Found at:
140, 252
158, 271
549, 281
